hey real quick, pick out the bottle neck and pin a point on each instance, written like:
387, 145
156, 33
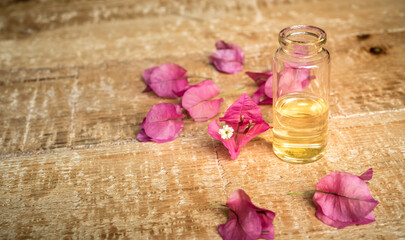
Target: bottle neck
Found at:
302, 40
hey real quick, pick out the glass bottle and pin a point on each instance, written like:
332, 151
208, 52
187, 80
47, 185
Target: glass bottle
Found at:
301, 95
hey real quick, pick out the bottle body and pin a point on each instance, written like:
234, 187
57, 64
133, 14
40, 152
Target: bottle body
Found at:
301, 95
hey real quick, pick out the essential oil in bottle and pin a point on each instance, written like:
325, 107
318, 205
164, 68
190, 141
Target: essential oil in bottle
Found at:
300, 127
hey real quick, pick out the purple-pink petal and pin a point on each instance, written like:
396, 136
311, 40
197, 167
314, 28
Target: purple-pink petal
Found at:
227, 61
146, 77
168, 80
259, 94
245, 117
230, 144
268, 88
245, 107
343, 199
228, 57
258, 128
162, 123
142, 137
260, 78
245, 220
263, 80
367, 175
337, 224
196, 100
293, 79
232, 229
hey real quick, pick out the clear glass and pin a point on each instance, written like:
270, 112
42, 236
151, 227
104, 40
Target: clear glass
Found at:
301, 95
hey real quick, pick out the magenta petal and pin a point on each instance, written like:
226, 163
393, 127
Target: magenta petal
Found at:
266, 101
264, 94
245, 220
213, 129
146, 77
232, 230
147, 89
245, 107
245, 117
259, 94
268, 87
160, 123
240, 203
142, 137
336, 224
344, 198
367, 175
293, 79
169, 80
228, 57
266, 218
227, 61
260, 78
196, 101
330, 222
253, 132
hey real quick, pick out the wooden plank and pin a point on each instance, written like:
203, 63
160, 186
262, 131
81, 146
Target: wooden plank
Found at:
71, 102
142, 190
63, 39
103, 104
122, 190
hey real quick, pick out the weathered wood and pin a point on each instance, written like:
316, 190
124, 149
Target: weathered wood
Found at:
103, 104
71, 104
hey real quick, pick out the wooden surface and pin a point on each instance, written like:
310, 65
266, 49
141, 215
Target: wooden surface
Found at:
71, 102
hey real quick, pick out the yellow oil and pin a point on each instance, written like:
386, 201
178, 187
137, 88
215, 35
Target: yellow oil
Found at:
300, 128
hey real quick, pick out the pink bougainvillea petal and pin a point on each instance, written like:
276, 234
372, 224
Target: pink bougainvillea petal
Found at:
226, 61
230, 144
162, 123
343, 199
268, 88
245, 220
367, 175
142, 137
168, 80
258, 128
245, 107
196, 101
337, 224
245, 118
226, 45
260, 78
231, 230
260, 96
293, 79
228, 57
146, 77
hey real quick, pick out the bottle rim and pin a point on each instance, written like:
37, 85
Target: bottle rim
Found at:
318, 34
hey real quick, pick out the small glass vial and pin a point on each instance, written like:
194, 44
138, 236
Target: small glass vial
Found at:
300, 95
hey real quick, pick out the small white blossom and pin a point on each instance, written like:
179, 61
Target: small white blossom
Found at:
226, 132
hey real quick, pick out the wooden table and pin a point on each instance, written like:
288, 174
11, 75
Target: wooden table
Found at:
71, 102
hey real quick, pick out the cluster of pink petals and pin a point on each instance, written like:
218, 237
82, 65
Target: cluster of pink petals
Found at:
245, 220
343, 199
167, 80
293, 79
245, 117
264, 94
198, 101
228, 57
162, 123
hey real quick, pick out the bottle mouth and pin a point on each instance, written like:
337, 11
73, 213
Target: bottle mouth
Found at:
301, 37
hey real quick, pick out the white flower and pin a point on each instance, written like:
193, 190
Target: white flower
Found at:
226, 132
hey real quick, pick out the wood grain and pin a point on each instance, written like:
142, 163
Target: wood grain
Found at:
71, 102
